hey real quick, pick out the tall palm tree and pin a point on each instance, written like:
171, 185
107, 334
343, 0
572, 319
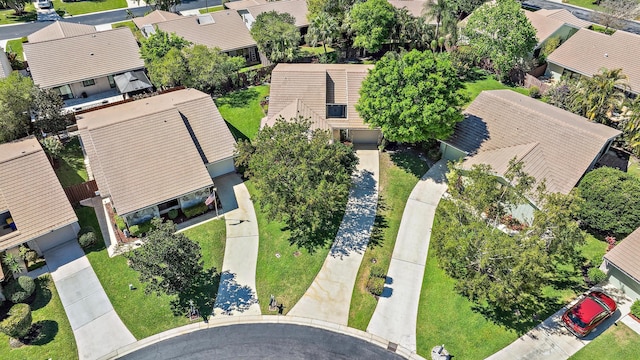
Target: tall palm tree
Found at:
631, 125
443, 12
322, 28
599, 96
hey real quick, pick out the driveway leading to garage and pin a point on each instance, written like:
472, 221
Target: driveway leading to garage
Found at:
96, 326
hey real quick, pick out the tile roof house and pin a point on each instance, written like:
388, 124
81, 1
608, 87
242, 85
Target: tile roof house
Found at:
296, 8
83, 67
415, 7
554, 145
326, 93
554, 23
623, 265
59, 30
5, 64
586, 52
33, 207
157, 153
222, 29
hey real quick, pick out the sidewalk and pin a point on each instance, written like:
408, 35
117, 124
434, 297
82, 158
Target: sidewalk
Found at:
237, 291
96, 327
396, 314
329, 296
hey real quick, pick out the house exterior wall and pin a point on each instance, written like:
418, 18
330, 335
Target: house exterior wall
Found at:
450, 153
221, 167
365, 136
193, 198
563, 33
141, 216
250, 54
524, 213
101, 85
623, 282
554, 71
54, 238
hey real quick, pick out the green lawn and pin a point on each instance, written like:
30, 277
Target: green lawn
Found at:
212, 9
131, 25
288, 276
633, 167
589, 4
15, 46
242, 111
399, 173
87, 6
70, 169
56, 340
318, 50
145, 315
473, 88
617, 342
7, 16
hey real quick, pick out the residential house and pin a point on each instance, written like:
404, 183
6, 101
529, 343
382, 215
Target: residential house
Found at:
250, 11
554, 145
84, 65
156, 154
623, 266
325, 93
222, 29
33, 207
549, 24
587, 52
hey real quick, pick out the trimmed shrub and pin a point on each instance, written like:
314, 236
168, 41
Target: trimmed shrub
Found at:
195, 210
172, 214
120, 222
27, 284
596, 275
86, 229
375, 285
20, 290
140, 229
534, 92
377, 271
18, 323
635, 308
87, 239
31, 256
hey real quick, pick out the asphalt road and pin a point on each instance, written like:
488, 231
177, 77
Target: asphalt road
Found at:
262, 341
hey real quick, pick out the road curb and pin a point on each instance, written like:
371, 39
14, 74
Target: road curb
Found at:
261, 319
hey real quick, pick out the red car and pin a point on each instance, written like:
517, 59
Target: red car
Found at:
588, 313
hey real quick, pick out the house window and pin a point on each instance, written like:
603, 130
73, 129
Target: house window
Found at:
337, 111
65, 92
6, 223
90, 82
112, 81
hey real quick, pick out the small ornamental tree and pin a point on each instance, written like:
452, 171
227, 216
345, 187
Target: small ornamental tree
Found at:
412, 97
18, 323
276, 35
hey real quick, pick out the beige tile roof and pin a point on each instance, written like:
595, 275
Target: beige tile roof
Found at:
243, 4
316, 85
415, 7
546, 22
588, 51
565, 16
30, 190
297, 8
5, 65
299, 108
142, 152
626, 254
74, 59
553, 144
227, 32
155, 17
59, 30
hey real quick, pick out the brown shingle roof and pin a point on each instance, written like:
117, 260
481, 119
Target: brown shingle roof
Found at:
588, 51
553, 144
31, 192
155, 17
316, 85
59, 30
227, 31
565, 16
626, 254
296, 8
143, 152
73, 59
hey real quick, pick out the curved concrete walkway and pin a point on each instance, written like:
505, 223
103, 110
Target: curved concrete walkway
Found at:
329, 296
396, 315
237, 291
96, 326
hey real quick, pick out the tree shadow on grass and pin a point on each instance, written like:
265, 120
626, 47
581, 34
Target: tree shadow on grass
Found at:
410, 162
380, 224
237, 134
41, 333
43, 293
202, 292
238, 99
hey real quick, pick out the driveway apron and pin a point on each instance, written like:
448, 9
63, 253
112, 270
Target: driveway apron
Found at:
96, 326
397, 310
329, 296
237, 291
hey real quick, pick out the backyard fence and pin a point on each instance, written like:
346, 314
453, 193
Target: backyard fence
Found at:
78, 192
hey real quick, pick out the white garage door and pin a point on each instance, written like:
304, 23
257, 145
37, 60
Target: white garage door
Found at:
57, 237
364, 136
221, 167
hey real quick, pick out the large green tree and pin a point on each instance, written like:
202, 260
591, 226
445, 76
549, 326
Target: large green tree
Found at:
631, 125
501, 33
372, 21
210, 69
597, 97
276, 35
159, 44
16, 95
301, 176
412, 97
170, 70
47, 107
322, 29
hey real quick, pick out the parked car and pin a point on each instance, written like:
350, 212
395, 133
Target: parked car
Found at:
588, 313
44, 4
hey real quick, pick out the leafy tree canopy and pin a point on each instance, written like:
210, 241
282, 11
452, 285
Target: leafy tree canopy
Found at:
158, 45
413, 97
276, 35
210, 68
372, 22
16, 95
303, 179
502, 33
48, 110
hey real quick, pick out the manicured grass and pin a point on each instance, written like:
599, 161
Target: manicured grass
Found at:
633, 166
589, 4
396, 183
212, 9
145, 315
7, 16
15, 46
56, 340
473, 88
318, 50
288, 276
88, 6
617, 342
71, 169
242, 111
131, 25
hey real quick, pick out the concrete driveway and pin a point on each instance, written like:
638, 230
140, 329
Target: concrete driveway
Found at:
96, 326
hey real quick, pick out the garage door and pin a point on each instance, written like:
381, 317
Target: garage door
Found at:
57, 237
364, 136
221, 167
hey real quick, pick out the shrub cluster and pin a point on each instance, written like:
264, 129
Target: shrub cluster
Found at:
195, 210
18, 323
140, 229
596, 275
120, 222
375, 284
173, 213
635, 308
19, 291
